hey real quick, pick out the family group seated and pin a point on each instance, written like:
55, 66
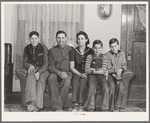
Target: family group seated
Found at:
81, 67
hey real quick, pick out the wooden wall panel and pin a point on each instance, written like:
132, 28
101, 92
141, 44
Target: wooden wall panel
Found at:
130, 34
138, 26
139, 62
123, 42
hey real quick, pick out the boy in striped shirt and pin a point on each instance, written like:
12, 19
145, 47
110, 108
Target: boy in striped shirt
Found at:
97, 74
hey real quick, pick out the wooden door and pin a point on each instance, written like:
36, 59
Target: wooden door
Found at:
133, 43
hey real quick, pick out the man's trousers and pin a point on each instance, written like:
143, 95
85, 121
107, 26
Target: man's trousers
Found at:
58, 90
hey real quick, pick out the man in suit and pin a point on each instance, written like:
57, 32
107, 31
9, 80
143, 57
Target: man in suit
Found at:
60, 77
34, 74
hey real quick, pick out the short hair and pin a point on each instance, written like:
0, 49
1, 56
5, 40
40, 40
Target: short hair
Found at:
33, 33
97, 42
113, 40
61, 31
85, 35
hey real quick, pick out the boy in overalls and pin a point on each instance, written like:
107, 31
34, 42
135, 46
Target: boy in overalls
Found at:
95, 67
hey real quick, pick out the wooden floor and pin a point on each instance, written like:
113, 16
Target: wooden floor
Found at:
14, 104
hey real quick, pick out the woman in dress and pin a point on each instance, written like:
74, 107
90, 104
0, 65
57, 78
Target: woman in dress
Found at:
77, 66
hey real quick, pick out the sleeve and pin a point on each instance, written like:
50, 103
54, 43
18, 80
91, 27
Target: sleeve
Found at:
104, 63
45, 61
52, 68
124, 64
88, 62
25, 59
72, 55
107, 63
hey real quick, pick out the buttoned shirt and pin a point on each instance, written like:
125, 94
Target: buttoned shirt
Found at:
79, 58
59, 59
115, 61
34, 55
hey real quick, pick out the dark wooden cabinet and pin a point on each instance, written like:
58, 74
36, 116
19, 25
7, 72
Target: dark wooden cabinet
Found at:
8, 72
8, 80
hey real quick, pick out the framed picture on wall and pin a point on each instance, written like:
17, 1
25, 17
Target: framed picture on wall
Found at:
104, 11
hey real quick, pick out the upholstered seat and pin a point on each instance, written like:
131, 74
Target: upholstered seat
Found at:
128, 74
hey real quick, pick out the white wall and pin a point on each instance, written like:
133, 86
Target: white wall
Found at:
95, 27
8, 10
8, 18
104, 30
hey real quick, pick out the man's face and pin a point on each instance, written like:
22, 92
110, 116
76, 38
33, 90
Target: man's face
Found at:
114, 47
34, 40
97, 49
61, 39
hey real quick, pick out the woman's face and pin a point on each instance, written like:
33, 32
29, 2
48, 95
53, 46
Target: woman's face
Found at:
81, 40
97, 49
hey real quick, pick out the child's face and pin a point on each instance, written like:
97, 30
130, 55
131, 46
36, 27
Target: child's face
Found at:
97, 49
34, 40
114, 47
81, 40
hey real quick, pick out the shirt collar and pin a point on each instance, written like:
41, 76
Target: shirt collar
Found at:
115, 53
86, 49
35, 47
98, 56
64, 47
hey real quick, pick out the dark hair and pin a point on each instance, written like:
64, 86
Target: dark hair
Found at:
61, 31
113, 40
33, 33
85, 35
97, 42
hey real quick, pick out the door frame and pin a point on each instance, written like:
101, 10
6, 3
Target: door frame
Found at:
126, 32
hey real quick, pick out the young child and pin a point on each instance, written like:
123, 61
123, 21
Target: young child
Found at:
95, 67
117, 68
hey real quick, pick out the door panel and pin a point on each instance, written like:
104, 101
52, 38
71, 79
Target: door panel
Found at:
139, 20
133, 41
139, 62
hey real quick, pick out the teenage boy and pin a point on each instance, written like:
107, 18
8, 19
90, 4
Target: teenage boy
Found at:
117, 68
34, 74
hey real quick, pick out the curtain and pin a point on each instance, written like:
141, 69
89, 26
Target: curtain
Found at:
142, 14
46, 19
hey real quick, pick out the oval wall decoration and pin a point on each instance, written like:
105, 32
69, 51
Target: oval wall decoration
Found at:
104, 11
